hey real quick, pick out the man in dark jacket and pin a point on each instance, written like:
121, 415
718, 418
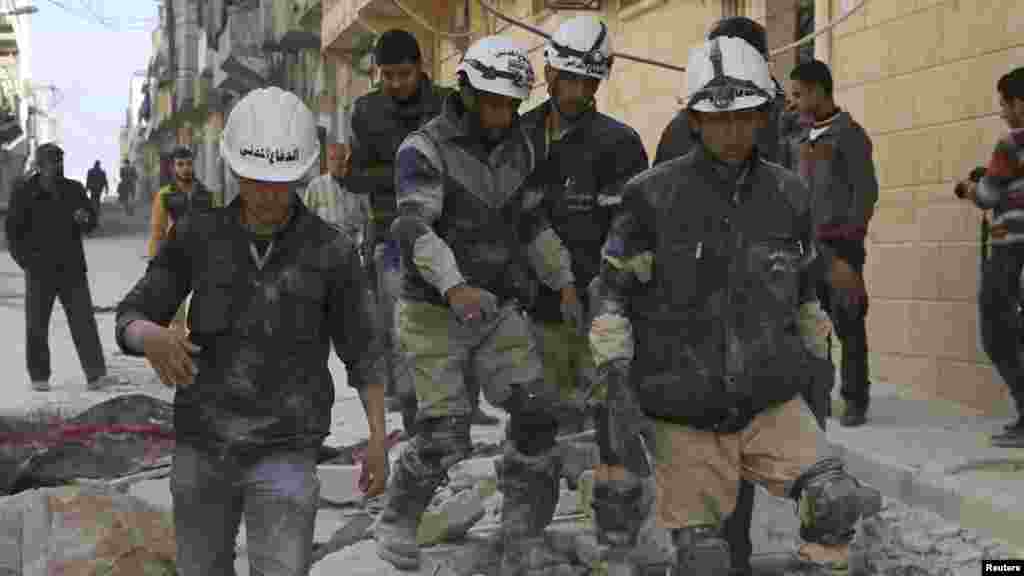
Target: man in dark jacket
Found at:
695, 310
470, 226
678, 140
47, 217
834, 156
274, 287
405, 101
96, 183
585, 157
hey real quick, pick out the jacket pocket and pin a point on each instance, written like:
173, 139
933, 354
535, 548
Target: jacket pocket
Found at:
304, 306
680, 266
211, 308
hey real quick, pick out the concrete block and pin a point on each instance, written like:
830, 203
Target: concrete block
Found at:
154, 492
467, 473
455, 516
338, 483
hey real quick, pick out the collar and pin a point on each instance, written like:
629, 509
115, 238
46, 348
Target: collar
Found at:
567, 126
294, 210
735, 178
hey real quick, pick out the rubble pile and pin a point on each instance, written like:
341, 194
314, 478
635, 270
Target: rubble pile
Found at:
912, 541
121, 436
83, 531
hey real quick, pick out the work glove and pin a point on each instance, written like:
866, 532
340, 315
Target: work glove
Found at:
472, 305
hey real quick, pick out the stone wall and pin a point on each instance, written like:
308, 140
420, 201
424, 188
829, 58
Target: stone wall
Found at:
920, 76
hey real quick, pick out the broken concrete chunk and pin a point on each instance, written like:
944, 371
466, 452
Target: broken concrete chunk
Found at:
467, 473
339, 484
452, 518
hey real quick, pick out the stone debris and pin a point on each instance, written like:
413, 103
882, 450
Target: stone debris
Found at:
903, 540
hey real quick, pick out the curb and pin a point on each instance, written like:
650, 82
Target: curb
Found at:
993, 514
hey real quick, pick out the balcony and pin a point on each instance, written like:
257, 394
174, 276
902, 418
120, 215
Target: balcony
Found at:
239, 62
340, 32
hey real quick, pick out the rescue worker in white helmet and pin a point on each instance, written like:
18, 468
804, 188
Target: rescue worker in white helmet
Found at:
584, 159
274, 288
469, 226
696, 307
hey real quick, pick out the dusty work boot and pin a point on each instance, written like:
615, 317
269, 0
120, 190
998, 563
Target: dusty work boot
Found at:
408, 495
529, 486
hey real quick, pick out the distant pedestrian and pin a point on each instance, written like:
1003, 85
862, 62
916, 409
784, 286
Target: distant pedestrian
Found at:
126, 187
96, 183
328, 196
182, 196
48, 216
1000, 187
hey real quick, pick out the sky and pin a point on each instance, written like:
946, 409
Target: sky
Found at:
92, 64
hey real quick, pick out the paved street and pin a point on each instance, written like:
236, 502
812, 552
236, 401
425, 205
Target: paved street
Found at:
116, 261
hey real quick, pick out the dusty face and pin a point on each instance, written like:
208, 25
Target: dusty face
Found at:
730, 136
399, 81
265, 203
497, 112
573, 93
183, 169
1012, 112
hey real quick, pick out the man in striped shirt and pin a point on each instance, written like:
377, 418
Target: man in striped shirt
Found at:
1001, 190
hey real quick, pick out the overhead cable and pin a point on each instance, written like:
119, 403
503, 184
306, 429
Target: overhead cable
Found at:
836, 21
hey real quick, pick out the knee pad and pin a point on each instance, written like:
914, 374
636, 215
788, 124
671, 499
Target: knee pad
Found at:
701, 551
831, 502
532, 424
620, 508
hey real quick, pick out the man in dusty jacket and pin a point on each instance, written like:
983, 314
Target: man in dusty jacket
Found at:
584, 158
274, 286
834, 156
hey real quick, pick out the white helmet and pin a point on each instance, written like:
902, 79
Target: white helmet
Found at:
498, 65
727, 73
581, 45
270, 136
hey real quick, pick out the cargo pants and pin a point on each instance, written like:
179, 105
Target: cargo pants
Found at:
446, 359
387, 285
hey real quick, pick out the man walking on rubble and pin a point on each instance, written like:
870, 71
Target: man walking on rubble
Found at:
584, 158
406, 100
1000, 187
703, 245
275, 287
834, 157
467, 220
678, 140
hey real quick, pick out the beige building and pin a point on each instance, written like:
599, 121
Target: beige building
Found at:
918, 74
